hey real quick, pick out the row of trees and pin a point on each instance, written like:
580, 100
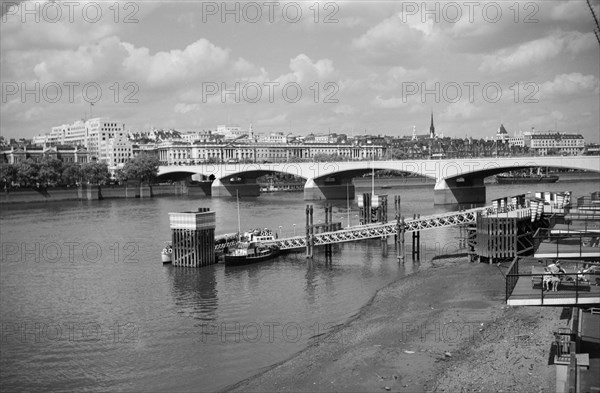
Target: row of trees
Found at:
50, 171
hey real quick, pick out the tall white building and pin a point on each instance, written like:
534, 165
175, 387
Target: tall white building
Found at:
101, 130
115, 151
91, 134
66, 134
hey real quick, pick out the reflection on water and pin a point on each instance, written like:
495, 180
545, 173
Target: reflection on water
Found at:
194, 292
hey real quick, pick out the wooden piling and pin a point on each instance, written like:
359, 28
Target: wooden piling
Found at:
402, 233
398, 235
328, 226
416, 242
310, 229
193, 238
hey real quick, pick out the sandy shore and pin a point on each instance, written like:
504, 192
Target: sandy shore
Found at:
445, 329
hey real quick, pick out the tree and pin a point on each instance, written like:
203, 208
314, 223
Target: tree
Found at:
8, 175
143, 167
71, 174
50, 170
120, 176
27, 173
95, 172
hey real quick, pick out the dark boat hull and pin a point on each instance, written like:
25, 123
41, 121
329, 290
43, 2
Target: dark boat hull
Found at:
232, 260
526, 179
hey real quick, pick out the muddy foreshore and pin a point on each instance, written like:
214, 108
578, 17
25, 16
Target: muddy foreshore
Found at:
444, 329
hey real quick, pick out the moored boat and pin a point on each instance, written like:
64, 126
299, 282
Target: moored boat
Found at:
251, 249
167, 253
526, 179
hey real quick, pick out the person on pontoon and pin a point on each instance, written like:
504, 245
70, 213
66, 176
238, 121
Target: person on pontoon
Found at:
554, 278
556, 269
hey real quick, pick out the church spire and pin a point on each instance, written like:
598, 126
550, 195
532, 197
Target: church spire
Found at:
431, 128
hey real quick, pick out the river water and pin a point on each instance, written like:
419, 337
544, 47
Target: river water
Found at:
86, 304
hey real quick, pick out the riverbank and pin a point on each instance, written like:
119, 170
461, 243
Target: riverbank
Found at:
94, 192
445, 329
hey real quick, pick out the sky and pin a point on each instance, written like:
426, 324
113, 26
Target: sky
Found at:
349, 67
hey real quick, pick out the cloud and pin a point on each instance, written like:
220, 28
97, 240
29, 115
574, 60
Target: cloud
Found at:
404, 39
537, 51
393, 102
344, 109
460, 110
90, 62
175, 66
49, 24
571, 10
185, 108
570, 84
277, 120
306, 72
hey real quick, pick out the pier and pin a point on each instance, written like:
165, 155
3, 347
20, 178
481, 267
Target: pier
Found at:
511, 227
379, 230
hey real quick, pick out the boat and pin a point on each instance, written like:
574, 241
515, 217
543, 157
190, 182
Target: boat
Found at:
167, 253
251, 249
526, 178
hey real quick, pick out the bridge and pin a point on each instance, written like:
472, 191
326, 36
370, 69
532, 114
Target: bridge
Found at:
457, 181
379, 230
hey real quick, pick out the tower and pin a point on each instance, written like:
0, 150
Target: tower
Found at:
431, 128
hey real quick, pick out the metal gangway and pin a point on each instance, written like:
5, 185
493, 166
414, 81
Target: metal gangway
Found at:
379, 230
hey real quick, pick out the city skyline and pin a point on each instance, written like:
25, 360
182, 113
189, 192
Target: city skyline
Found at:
378, 69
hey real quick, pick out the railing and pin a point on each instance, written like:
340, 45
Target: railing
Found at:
587, 218
370, 231
574, 276
583, 239
513, 275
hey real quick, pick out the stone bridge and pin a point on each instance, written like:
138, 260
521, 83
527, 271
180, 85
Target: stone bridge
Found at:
457, 181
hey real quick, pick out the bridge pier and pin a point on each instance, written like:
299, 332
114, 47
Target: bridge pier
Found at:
243, 188
315, 190
459, 191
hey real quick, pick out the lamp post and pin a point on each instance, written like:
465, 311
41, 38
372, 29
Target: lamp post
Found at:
294, 229
280, 231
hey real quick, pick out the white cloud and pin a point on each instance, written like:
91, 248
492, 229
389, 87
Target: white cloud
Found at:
393, 36
306, 72
164, 68
537, 51
91, 62
570, 84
